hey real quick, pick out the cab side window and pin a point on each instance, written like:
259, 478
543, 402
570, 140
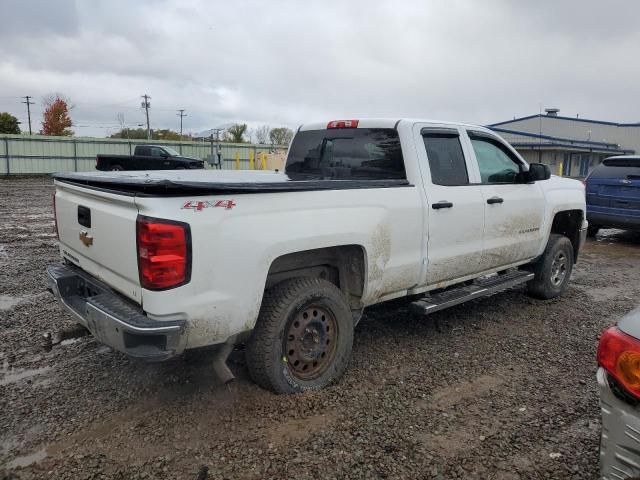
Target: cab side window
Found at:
446, 160
143, 151
156, 152
497, 164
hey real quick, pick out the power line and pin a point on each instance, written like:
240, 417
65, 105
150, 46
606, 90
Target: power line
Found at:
181, 114
146, 104
29, 103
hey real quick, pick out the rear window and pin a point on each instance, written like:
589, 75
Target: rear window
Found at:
628, 168
346, 154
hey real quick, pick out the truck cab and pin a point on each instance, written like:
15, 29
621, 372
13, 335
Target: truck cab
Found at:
148, 157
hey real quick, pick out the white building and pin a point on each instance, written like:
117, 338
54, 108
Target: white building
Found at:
570, 146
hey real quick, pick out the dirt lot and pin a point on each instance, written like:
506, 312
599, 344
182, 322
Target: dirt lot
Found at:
505, 389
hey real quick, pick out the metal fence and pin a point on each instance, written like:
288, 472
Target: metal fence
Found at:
35, 154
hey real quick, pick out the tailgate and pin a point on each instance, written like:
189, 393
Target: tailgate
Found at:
97, 232
614, 193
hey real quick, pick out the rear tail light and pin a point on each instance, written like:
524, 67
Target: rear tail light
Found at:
96, 161
55, 216
164, 253
619, 355
343, 124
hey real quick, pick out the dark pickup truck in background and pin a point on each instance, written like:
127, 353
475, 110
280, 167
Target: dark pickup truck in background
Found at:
148, 157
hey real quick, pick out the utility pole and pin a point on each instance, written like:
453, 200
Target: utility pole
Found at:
29, 103
181, 114
146, 104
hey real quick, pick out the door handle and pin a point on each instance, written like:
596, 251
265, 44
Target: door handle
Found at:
493, 200
441, 204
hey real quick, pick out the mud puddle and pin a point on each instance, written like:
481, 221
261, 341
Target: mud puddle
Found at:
7, 302
9, 376
26, 460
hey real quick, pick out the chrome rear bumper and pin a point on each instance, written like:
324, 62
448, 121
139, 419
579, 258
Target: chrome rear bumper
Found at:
112, 319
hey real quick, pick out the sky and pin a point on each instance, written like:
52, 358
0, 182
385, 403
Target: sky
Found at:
284, 63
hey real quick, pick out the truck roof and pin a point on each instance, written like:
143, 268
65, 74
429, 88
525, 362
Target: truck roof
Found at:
386, 123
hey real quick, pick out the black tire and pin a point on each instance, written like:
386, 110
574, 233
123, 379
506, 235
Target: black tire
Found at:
274, 347
553, 269
592, 230
116, 168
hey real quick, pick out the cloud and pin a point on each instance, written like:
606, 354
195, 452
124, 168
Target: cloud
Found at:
27, 18
290, 62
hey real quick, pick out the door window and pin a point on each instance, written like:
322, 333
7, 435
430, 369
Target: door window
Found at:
584, 165
496, 163
446, 160
156, 152
143, 151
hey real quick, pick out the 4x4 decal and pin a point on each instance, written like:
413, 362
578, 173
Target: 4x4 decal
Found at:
199, 205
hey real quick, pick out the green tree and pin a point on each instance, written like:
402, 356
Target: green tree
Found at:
8, 123
235, 133
281, 136
166, 134
132, 133
141, 134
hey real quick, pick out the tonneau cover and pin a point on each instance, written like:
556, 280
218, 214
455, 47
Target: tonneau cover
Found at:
209, 182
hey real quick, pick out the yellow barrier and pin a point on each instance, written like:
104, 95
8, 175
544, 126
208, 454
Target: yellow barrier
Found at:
252, 163
560, 169
237, 160
263, 161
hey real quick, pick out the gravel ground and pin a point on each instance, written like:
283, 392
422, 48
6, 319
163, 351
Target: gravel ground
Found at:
504, 388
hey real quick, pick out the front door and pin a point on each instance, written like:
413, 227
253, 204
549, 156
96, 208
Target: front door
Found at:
454, 212
159, 160
514, 210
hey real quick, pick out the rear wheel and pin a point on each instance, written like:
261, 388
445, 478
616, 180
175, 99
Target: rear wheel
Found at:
303, 336
116, 168
592, 230
553, 269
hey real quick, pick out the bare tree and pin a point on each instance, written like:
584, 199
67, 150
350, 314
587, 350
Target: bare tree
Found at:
262, 134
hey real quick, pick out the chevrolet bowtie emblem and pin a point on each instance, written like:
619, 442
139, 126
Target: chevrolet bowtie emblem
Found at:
86, 238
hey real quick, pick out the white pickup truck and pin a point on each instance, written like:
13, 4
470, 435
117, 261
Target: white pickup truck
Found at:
154, 263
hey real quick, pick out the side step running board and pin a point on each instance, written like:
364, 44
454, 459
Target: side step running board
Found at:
479, 288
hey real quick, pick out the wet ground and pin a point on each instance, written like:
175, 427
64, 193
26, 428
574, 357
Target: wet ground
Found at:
505, 389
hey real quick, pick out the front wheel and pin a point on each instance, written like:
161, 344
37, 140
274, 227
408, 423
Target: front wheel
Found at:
116, 168
303, 337
553, 269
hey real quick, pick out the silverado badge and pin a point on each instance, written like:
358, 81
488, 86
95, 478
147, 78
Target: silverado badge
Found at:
86, 238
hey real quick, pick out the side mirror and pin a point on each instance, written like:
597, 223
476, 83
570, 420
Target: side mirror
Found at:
164, 155
537, 171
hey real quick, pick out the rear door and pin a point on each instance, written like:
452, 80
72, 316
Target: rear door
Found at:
514, 210
141, 158
455, 210
97, 232
613, 189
